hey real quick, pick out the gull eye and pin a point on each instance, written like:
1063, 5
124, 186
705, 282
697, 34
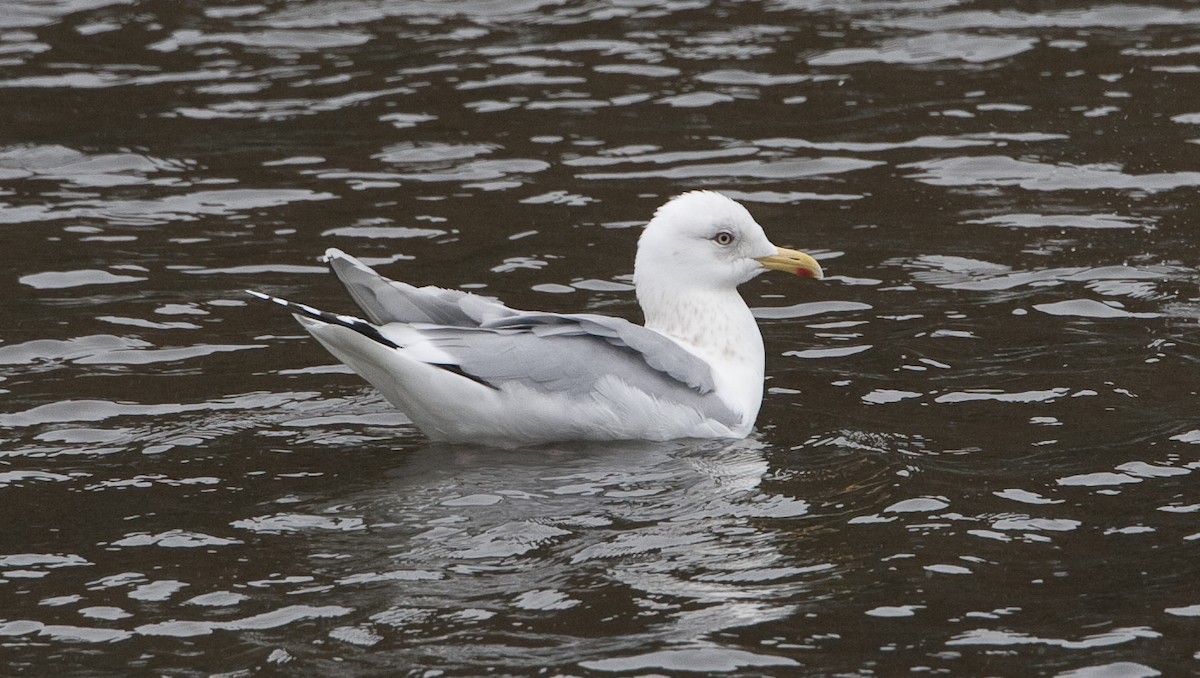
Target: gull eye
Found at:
723, 238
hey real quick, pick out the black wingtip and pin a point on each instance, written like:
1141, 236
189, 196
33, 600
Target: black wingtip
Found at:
348, 321
265, 297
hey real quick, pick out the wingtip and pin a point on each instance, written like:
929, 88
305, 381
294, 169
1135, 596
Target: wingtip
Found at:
333, 253
266, 297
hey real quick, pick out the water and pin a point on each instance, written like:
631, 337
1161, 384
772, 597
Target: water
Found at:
977, 454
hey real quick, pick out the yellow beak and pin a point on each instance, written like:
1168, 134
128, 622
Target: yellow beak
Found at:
794, 262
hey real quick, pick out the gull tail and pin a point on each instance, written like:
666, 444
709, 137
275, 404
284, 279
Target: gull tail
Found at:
348, 321
433, 397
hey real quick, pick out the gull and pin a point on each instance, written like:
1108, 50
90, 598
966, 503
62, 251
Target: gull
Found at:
468, 369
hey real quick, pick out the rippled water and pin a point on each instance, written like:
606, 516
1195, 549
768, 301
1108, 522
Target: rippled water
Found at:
976, 452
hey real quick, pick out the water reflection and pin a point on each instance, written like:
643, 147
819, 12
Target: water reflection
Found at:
689, 531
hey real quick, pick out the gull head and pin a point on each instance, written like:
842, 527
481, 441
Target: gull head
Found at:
705, 240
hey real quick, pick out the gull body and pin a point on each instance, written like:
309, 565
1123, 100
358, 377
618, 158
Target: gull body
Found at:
465, 368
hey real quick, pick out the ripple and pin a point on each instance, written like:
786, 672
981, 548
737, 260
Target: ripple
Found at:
834, 352
944, 568
174, 539
148, 324
522, 79
1028, 524
147, 356
30, 15
359, 636
757, 169
157, 591
1093, 221
184, 207
106, 349
145, 481
788, 197
254, 269
1192, 437
545, 599
1117, 16
1127, 473
300, 40
116, 77
556, 198
1102, 479
67, 165
474, 171
281, 109
882, 396
217, 599
961, 273
409, 153
1025, 497
377, 419
295, 522
1006, 638
696, 99
894, 611
877, 146
406, 120
88, 410
930, 48
1089, 308
392, 575
919, 505
1112, 670
63, 632
11, 478
1000, 170
645, 70
733, 76
996, 395
259, 622
42, 560
389, 232
56, 280
38, 350
510, 539
653, 155
104, 612
702, 659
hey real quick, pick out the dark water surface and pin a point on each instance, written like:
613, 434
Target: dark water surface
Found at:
980, 446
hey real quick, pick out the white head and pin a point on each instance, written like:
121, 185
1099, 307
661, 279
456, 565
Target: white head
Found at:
704, 240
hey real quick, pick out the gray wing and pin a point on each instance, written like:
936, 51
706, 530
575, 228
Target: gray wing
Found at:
573, 362
387, 301
655, 350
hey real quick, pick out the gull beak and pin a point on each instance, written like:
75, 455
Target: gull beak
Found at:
794, 262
